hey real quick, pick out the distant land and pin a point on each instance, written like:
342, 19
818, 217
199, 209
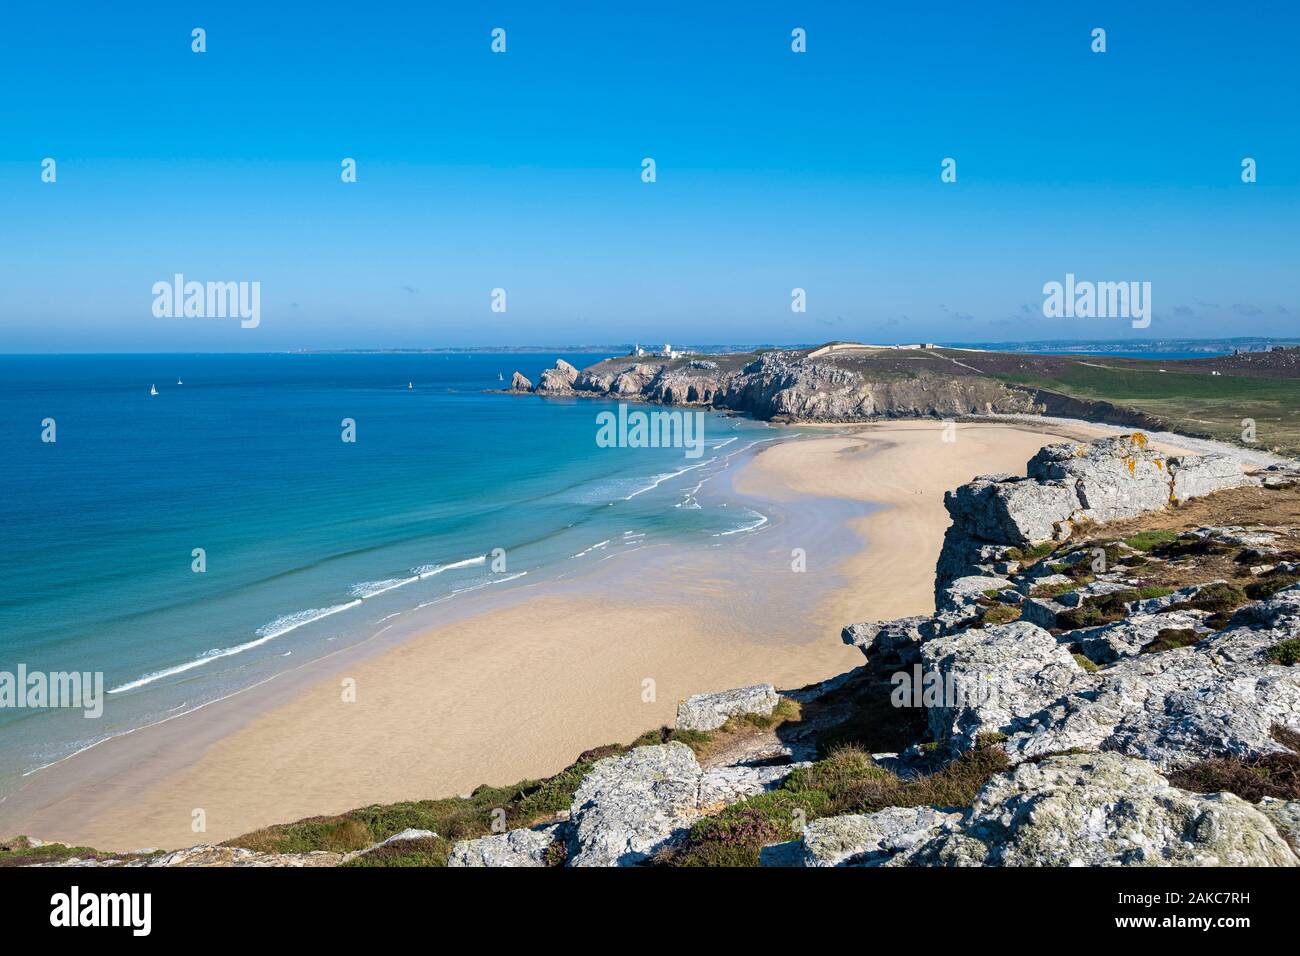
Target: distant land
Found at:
1103, 346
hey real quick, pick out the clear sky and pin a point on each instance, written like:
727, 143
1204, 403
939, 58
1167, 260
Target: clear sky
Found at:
522, 170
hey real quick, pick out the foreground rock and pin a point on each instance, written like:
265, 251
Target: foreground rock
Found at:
997, 679
524, 847
711, 711
1071, 810
871, 839
1103, 810
628, 807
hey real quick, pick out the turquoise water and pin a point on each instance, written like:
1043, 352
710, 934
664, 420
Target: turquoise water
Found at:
309, 541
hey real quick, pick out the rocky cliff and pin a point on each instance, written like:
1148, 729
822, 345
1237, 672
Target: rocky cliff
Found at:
787, 386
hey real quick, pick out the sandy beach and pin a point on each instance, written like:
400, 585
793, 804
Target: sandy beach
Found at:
521, 689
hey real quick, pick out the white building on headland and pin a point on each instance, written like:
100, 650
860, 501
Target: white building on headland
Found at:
668, 353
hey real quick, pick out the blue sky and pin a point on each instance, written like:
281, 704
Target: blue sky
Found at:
522, 171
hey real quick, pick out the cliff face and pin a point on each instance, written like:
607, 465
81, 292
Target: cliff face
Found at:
789, 386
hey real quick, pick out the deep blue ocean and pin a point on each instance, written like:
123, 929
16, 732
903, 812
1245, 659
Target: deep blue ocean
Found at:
308, 540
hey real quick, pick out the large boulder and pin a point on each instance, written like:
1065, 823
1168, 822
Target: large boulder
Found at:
1103, 810
1194, 476
723, 786
628, 807
523, 847
870, 839
995, 679
711, 711
1000, 509
520, 383
558, 379
888, 643
1113, 477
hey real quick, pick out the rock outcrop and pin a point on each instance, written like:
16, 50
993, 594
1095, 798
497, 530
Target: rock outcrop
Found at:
523, 847
791, 386
559, 379
628, 807
1070, 810
711, 711
997, 516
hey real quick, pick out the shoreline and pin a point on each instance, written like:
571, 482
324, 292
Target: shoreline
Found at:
517, 688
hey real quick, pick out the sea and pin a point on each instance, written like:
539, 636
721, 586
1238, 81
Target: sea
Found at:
187, 525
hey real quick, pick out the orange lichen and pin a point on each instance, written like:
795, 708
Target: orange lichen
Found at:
1139, 439
1160, 463
1132, 465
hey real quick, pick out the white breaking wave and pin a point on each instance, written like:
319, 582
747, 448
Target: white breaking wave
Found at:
595, 547
762, 520
429, 570
660, 479
368, 589
280, 626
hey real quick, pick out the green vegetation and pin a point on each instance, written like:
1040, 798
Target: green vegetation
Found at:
1085, 663
1220, 599
1055, 590
1259, 590
1153, 591
1100, 609
20, 851
1033, 552
1286, 653
456, 818
1167, 638
847, 781
1146, 540
1194, 403
1000, 614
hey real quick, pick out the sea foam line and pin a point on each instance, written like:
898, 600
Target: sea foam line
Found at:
277, 628
429, 570
660, 479
762, 520
291, 622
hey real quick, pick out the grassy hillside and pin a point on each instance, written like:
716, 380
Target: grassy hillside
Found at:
1193, 402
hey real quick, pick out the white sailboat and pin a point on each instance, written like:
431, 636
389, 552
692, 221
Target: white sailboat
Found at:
179, 382
409, 386
153, 389
500, 377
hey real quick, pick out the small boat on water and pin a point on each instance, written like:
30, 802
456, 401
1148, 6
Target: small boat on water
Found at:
409, 385
500, 377
153, 389
179, 382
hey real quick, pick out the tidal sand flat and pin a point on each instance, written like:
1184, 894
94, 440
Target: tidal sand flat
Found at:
516, 684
